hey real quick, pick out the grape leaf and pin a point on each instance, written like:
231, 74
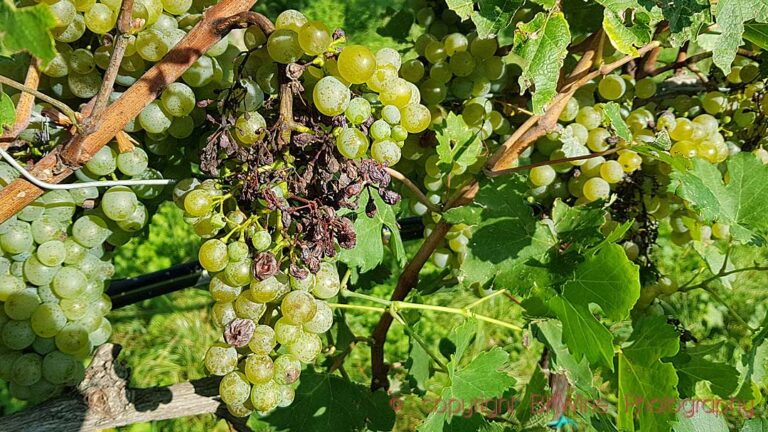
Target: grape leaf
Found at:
643, 378
731, 16
715, 258
755, 425
466, 215
583, 333
606, 278
533, 390
480, 380
738, 203
418, 364
506, 238
542, 45
328, 403
369, 250
686, 18
613, 112
493, 16
757, 34
577, 371
27, 29
692, 367
628, 24
579, 226
463, 8
754, 363
572, 147
457, 143
7, 111
699, 421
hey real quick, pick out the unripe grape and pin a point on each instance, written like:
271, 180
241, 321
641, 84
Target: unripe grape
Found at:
314, 38
221, 359
283, 46
542, 175
596, 188
250, 128
356, 64
234, 388
290, 19
352, 143
330, 96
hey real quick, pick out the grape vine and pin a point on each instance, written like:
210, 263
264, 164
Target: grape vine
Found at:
599, 167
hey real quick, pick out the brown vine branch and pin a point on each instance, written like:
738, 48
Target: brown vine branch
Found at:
121, 42
681, 63
103, 401
59, 164
418, 194
409, 278
24, 106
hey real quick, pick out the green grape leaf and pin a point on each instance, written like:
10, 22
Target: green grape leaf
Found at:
584, 17
542, 45
715, 258
692, 367
755, 425
533, 390
457, 143
481, 379
577, 371
7, 111
418, 363
463, 8
329, 403
757, 34
643, 377
578, 226
629, 25
737, 203
506, 238
754, 363
606, 278
476, 423
27, 29
731, 16
613, 112
686, 19
697, 419
493, 16
572, 147
463, 215
369, 250
583, 333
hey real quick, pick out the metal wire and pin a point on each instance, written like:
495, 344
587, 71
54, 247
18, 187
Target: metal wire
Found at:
52, 186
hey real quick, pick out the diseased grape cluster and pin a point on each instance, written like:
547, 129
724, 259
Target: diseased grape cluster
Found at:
54, 267
271, 211
271, 319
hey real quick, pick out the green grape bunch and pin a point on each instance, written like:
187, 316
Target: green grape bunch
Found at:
55, 264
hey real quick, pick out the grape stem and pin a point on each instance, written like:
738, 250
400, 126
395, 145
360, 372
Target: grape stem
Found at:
24, 107
53, 186
121, 42
465, 311
59, 105
418, 194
